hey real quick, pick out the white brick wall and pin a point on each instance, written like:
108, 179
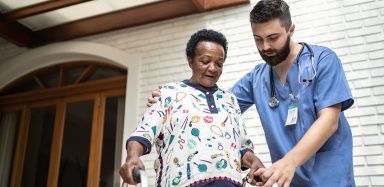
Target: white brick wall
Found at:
353, 28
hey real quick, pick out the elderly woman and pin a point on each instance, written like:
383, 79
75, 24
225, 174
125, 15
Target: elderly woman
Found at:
196, 127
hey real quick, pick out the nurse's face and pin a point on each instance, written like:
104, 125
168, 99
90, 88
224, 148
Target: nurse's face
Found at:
272, 41
207, 64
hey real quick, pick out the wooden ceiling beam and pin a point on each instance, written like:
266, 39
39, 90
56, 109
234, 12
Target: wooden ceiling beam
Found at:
16, 33
206, 5
200, 5
39, 9
162, 10
117, 20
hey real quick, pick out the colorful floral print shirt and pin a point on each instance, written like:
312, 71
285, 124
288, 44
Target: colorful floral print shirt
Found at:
198, 133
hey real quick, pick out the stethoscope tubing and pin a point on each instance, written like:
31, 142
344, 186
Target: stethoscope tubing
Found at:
273, 101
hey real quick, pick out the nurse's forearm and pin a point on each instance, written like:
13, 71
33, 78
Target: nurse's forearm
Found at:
320, 131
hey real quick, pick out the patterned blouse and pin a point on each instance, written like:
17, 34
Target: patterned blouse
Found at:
199, 136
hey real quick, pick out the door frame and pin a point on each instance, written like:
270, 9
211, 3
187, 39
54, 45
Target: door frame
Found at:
97, 91
67, 51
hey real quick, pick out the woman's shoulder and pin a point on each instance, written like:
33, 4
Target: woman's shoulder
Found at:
173, 86
228, 95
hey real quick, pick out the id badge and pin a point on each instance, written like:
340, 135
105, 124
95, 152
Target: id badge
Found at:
292, 114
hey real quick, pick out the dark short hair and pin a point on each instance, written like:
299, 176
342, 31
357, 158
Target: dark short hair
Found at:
266, 10
205, 35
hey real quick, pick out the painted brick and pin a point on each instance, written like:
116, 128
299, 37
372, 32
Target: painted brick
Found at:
378, 90
361, 111
368, 170
373, 140
328, 21
341, 52
239, 67
362, 15
356, 131
359, 161
365, 92
362, 181
375, 160
149, 74
347, 67
160, 79
160, 64
365, 48
372, 5
372, 101
370, 130
374, 21
374, 38
307, 4
382, 128
355, 75
378, 180
377, 72
364, 65
357, 142
369, 83
347, 42
376, 55
172, 56
173, 70
380, 110
353, 121
354, 2
329, 37
371, 120
308, 32
365, 31
371, 150
149, 59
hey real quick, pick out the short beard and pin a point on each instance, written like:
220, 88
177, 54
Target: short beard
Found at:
280, 56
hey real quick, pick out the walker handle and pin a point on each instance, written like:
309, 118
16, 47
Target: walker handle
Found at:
136, 174
257, 179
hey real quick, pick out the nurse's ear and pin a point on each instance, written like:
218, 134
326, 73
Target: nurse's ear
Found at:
291, 30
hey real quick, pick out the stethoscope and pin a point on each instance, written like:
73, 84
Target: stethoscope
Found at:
273, 101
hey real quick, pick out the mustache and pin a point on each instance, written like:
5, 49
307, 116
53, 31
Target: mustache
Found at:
268, 51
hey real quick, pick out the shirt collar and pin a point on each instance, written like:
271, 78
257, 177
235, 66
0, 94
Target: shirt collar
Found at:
213, 89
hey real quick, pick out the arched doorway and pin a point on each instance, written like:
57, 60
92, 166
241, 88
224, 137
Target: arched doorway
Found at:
59, 126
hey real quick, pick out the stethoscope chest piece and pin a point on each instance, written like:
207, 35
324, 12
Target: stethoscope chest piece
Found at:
273, 102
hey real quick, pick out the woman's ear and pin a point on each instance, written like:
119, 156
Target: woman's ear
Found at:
190, 61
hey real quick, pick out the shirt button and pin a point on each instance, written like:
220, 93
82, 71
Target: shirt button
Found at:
207, 93
212, 106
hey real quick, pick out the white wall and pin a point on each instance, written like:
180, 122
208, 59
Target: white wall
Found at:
353, 28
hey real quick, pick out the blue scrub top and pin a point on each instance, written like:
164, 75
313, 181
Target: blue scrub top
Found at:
332, 165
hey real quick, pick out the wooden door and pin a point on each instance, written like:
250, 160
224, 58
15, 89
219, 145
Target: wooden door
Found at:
65, 136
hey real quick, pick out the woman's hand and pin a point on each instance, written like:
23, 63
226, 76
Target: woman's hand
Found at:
254, 164
127, 168
134, 151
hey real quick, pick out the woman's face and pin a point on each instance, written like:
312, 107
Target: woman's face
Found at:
207, 64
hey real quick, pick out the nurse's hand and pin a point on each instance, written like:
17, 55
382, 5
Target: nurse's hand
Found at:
152, 100
281, 173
